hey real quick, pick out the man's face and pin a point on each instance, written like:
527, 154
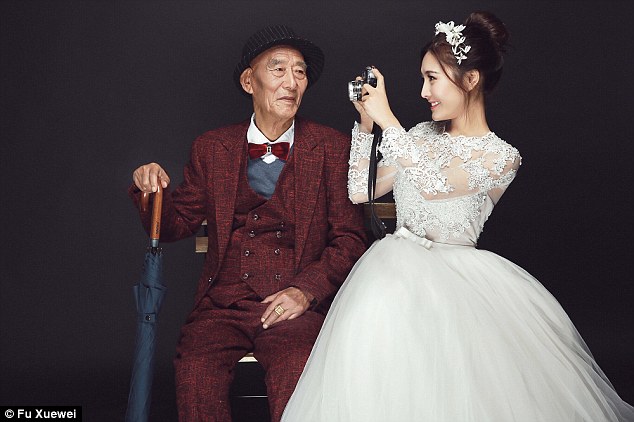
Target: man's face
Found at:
277, 80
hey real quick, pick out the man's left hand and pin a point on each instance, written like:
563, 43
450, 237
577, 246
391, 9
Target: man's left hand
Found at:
286, 304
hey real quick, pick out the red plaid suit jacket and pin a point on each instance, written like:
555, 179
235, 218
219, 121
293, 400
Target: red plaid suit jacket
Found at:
329, 235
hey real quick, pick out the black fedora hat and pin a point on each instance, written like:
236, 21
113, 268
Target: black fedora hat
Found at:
280, 35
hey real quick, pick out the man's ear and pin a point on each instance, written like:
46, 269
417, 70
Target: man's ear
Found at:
245, 80
471, 79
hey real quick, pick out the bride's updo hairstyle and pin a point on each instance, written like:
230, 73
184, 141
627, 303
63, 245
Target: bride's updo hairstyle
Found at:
486, 38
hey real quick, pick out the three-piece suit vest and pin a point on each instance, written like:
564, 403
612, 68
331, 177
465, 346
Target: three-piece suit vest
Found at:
260, 257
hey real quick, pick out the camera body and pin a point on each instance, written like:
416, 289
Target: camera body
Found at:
354, 87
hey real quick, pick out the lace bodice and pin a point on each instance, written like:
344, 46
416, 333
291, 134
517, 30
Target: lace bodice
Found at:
445, 187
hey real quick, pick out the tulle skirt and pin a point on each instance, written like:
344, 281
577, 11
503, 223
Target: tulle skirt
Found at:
423, 331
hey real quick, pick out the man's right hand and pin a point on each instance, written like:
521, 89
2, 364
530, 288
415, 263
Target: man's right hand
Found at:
146, 177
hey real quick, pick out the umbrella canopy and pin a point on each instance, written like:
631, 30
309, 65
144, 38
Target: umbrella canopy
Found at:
148, 296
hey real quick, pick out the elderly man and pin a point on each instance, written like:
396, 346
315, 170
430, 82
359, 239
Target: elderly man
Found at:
282, 233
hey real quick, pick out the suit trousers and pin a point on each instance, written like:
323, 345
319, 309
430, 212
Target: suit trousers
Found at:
214, 339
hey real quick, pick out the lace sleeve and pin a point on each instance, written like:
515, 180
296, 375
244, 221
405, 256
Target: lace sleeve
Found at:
358, 170
492, 168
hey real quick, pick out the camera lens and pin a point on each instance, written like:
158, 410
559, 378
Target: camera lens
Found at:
355, 87
354, 90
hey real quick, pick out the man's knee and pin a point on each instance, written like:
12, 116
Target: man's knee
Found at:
287, 347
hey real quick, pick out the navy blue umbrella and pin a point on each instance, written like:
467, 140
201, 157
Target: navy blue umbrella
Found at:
148, 295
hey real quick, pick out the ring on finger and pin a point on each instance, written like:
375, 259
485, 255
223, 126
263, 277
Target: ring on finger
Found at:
279, 310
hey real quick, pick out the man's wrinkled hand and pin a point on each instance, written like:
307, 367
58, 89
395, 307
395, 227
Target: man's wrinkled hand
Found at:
286, 304
146, 177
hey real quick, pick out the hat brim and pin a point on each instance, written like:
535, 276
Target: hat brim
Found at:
313, 56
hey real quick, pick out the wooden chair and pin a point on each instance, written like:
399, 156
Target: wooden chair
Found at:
248, 383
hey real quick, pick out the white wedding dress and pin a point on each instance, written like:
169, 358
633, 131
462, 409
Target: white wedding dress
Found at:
429, 328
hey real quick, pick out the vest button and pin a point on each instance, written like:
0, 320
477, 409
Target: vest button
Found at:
276, 251
281, 224
247, 252
252, 233
278, 234
256, 217
278, 277
245, 276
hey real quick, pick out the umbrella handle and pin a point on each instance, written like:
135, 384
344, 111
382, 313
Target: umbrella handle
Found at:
155, 228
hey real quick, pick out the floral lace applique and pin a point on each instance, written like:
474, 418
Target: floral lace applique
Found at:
440, 182
360, 146
448, 218
358, 181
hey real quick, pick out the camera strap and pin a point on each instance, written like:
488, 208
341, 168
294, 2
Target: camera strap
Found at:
376, 224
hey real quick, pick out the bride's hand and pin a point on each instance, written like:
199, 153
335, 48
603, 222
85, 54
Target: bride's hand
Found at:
365, 122
375, 104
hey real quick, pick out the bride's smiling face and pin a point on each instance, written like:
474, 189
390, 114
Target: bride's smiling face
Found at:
447, 101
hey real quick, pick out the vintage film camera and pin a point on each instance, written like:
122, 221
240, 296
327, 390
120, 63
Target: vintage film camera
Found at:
354, 87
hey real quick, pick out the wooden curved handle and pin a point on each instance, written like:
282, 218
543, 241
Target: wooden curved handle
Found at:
155, 228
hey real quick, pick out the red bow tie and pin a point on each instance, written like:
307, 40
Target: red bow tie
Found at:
280, 150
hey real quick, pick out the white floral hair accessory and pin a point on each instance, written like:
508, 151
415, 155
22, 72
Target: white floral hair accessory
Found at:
455, 39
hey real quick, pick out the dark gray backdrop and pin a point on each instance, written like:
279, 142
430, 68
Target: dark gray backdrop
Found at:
91, 90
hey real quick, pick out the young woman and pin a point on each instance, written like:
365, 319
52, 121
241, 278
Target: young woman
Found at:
427, 327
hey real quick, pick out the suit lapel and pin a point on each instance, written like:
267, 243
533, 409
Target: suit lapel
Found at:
309, 161
226, 173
